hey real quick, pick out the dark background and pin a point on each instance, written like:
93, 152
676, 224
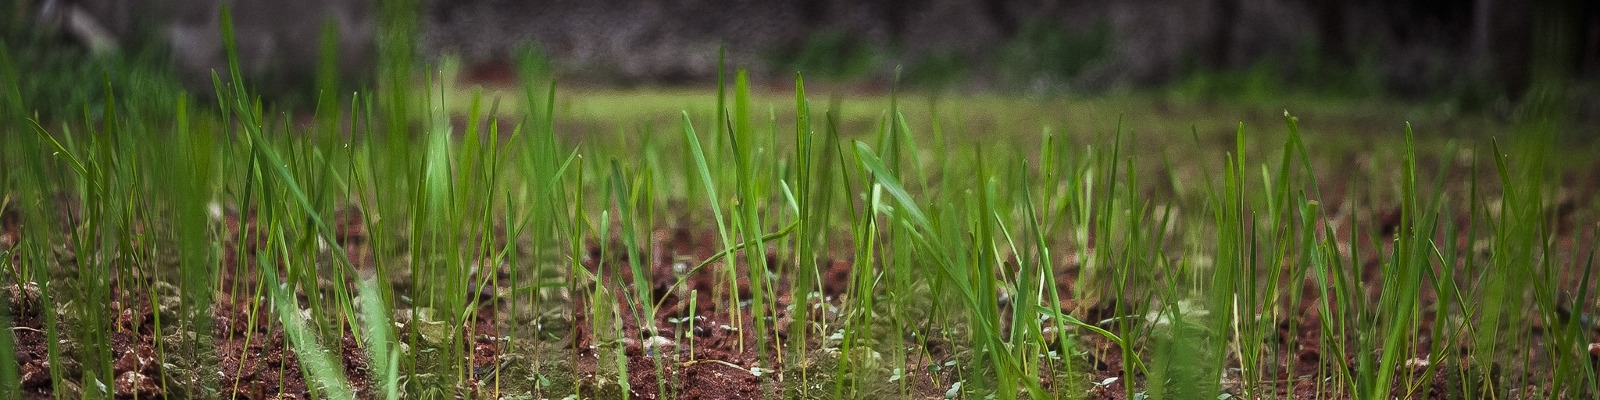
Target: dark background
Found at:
1477, 54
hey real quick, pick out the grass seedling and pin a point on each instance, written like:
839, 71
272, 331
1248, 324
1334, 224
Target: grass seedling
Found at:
487, 263
319, 365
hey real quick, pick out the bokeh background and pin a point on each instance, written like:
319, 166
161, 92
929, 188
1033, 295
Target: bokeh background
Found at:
1469, 55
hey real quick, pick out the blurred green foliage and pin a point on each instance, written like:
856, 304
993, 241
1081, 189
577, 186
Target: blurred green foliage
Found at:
1041, 52
831, 55
1308, 73
1050, 53
43, 73
938, 70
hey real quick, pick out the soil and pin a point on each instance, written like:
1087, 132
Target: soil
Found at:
722, 358
701, 343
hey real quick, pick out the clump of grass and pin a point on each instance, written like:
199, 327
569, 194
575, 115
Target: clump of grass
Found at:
960, 251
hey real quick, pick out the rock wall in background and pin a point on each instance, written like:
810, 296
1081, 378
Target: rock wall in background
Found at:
278, 40
1410, 46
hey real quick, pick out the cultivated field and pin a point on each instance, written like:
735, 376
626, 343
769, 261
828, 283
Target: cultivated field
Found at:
445, 240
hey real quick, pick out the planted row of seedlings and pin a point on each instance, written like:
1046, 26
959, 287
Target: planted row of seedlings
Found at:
386, 249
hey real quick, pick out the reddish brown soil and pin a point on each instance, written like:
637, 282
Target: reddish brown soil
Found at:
255, 362
715, 354
725, 357
32, 355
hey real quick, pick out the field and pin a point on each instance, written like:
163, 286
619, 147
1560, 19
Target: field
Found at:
524, 241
